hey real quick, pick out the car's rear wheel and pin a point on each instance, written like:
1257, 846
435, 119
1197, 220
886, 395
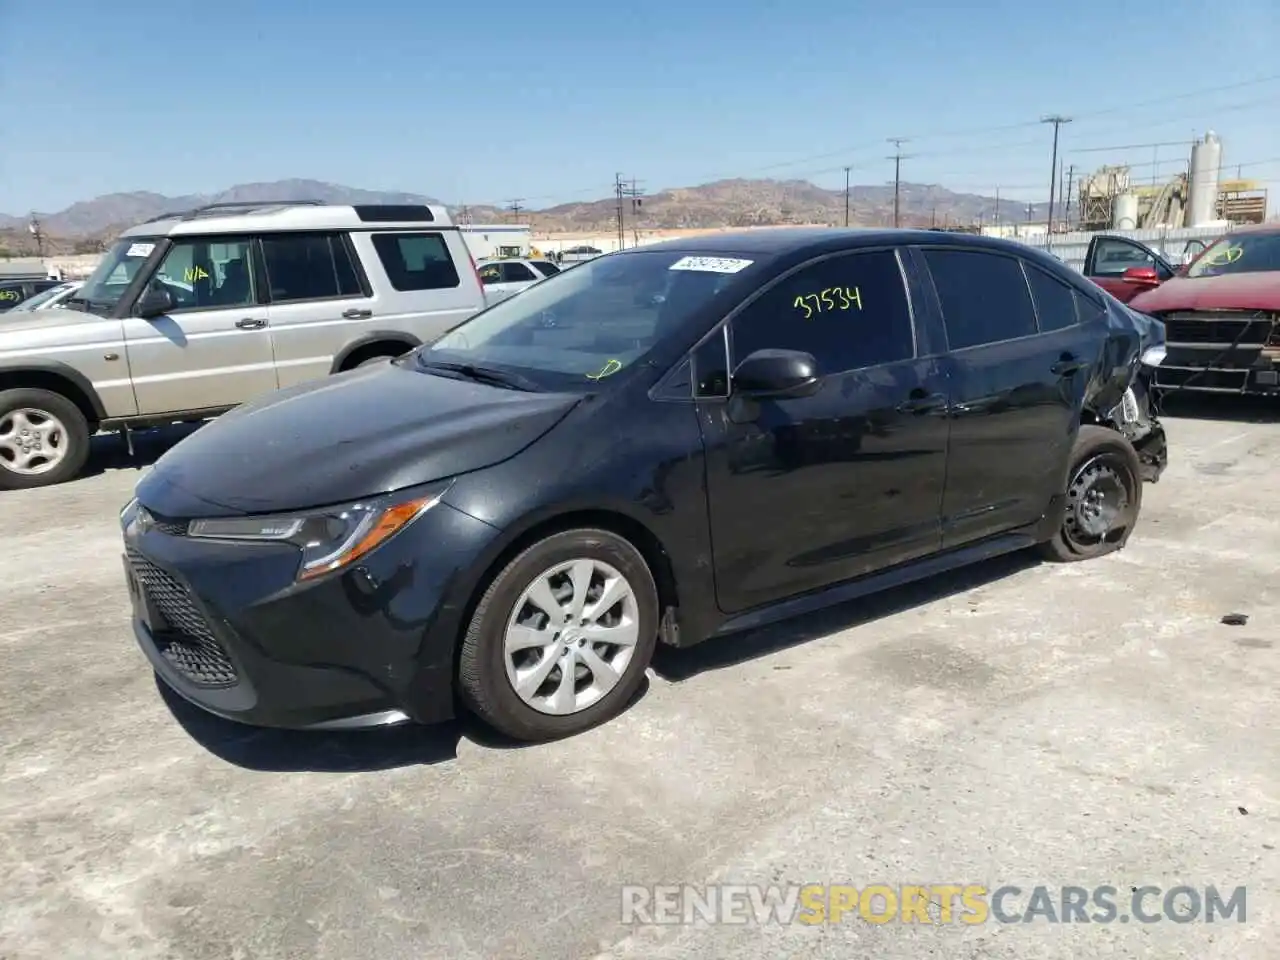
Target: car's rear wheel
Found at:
560, 640
1104, 496
44, 439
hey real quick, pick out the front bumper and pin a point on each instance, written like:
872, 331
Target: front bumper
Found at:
1227, 351
226, 626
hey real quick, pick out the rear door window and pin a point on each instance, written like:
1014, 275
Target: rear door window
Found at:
984, 296
416, 261
308, 266
513, 272
1055, 301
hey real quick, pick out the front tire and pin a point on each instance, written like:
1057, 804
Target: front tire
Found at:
561, 638
44, 439
1104, 497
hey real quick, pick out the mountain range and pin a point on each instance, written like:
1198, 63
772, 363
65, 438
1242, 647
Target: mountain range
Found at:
724, 203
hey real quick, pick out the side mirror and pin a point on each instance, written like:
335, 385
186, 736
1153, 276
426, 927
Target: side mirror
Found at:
156, 302
777, 373
1142, 276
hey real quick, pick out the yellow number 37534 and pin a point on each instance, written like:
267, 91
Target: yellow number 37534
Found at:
828, 301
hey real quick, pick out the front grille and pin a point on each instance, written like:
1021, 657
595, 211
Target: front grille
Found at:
1242, 327
187, 644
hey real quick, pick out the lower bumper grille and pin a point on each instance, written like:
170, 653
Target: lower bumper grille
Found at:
186, 642
1245, 328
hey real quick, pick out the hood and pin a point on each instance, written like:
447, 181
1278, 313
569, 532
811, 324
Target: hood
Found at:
343, 438
1231, 291
16, 321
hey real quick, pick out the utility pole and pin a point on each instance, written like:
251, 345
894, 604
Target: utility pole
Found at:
897, 159
997, 206
846, 196
1057, 121
617, 189
513, 207
933, 221
1066, 207
34, 228
636, 203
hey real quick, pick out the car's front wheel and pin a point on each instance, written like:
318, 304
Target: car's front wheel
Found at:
560, 640
44, 439
1104, 496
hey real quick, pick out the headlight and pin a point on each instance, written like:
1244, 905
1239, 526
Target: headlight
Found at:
329, 539
1153, 356
127, 507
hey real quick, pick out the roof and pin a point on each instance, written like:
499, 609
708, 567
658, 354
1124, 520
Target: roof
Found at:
259, 216
780, 241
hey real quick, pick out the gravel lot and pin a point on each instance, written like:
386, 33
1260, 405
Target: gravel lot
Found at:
1029, 724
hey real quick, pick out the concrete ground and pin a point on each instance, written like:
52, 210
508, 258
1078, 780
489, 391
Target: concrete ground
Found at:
1029, 724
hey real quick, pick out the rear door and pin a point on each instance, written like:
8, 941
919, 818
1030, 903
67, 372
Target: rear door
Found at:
320, 301
805, 492
214, 349
1109, 257
1015, 387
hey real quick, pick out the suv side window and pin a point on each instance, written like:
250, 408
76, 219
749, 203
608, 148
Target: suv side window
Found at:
546, 267
308, 266
416, 261
1055, 301
208, 273
984, 296
513, 272
848, 311
490, 273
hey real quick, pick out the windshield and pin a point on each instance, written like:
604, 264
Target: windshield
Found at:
34, 303
1238, 253
585, 324
106, 285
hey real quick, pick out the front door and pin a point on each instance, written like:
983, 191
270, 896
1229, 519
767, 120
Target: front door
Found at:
1015, 388
807, 492
214, 349
1109, 257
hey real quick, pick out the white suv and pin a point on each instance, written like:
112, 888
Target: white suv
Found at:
191, 314
507, 276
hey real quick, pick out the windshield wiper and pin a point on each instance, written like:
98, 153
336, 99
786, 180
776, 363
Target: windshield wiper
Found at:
486, 375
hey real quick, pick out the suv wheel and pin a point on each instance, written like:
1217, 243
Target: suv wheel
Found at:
1104, 496
561, 638
44, 439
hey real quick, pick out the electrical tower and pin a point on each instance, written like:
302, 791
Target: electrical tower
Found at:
897, 158
34, 228
513, 207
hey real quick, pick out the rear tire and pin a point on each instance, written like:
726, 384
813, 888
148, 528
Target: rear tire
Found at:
44, 439
561, 638
1104, 497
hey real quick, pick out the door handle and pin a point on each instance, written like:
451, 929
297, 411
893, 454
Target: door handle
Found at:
920, 402
355, 313
251, 323
1066, 366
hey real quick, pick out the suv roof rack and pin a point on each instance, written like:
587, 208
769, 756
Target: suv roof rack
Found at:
228, 206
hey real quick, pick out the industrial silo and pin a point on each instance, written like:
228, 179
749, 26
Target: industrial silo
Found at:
1202, 193
1124, 211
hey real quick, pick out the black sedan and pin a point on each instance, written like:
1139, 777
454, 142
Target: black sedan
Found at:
661, 445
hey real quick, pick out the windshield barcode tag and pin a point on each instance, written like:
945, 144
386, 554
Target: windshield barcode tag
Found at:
711, 264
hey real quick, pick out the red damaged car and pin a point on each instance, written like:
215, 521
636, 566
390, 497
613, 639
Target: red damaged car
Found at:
1221, 314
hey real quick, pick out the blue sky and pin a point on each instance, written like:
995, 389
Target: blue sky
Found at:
485, 102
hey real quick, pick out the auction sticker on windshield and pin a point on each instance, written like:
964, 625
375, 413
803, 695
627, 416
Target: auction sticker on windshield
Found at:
140, 250
711, 264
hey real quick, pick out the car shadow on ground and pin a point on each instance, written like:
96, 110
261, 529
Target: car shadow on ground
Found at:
110, 452
336, 751
675, 664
